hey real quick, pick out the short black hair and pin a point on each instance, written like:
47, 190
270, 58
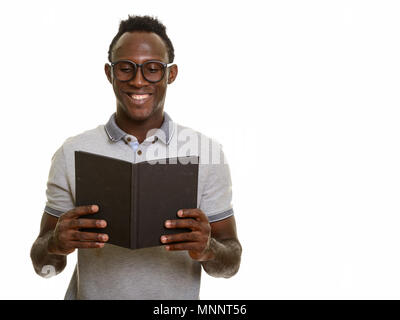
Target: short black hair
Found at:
147, 24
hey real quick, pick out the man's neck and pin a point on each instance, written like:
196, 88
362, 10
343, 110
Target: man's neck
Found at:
136, 128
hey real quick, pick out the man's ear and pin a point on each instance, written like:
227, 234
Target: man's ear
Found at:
107, 70
173, 72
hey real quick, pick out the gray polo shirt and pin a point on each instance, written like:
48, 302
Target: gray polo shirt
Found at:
114, 272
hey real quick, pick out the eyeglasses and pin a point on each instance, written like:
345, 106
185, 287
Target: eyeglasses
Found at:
152, 70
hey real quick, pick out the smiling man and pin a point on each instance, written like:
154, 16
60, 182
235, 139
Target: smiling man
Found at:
141, 68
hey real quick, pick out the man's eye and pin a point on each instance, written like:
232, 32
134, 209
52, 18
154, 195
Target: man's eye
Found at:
126, 70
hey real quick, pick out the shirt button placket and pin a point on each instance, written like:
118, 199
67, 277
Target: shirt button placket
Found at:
134, 144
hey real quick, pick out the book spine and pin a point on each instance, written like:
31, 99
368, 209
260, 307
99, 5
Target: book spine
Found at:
134, 207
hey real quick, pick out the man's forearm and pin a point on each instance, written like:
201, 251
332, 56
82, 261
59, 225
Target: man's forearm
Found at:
226, 260
44, 263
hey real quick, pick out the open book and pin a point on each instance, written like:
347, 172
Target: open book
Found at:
135, 198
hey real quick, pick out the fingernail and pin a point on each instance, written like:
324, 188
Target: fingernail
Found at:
163, 239
167, 223
95, 208
101, 223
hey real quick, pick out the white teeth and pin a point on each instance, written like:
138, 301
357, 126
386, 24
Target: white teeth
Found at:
139, 96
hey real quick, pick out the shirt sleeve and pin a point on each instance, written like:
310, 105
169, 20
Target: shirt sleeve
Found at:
58, 193
216, 198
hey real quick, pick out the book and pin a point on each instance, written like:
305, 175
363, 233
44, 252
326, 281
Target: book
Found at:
135, 198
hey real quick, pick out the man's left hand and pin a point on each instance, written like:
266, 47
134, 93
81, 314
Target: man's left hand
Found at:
197, 241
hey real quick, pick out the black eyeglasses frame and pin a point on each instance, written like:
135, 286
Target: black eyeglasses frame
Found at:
140, 65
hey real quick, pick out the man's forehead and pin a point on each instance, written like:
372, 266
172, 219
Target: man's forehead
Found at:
136, 43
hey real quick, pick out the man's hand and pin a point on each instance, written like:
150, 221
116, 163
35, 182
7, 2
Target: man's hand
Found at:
67, 237
196, 242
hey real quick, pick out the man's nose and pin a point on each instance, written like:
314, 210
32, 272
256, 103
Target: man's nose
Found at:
138, 80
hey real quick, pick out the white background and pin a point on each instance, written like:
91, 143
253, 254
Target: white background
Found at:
304, 96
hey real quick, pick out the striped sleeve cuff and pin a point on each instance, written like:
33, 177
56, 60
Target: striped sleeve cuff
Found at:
220, 216
53, 212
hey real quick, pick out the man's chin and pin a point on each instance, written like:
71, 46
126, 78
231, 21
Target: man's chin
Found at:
139, 114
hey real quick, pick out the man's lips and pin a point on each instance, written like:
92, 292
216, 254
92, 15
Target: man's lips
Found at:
138, 97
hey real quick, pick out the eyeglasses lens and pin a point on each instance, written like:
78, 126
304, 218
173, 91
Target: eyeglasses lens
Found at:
152, 71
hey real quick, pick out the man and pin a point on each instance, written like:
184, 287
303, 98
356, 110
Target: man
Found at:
141, 67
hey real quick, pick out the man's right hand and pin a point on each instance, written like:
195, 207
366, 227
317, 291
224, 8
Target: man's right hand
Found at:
67, 237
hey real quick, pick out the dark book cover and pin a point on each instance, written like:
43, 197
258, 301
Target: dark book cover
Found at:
135, 198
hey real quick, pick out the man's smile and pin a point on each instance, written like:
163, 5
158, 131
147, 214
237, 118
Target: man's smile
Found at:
138, 98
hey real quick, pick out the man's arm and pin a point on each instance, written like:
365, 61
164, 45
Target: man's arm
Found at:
225, 249
59, 237
215, 245
40, 253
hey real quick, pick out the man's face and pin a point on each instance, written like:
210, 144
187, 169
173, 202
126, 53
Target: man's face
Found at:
139, 99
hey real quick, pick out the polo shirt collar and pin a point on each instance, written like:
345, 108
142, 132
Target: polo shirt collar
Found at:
115, 133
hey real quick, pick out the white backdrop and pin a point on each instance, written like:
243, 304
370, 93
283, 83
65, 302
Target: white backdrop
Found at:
304, 96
